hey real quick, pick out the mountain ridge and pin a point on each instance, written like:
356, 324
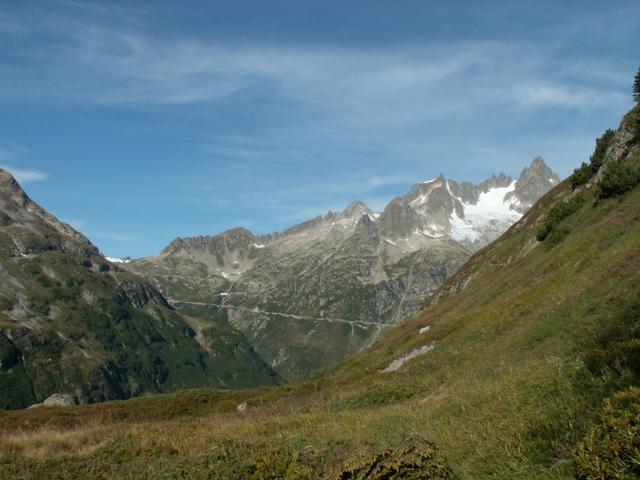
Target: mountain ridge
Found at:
73, 323
372, 269
522, 365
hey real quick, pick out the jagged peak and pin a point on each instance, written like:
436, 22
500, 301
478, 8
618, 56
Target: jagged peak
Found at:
10, 186
237, 232
538, 162
203, 240
394, 203
439, 179
538, 168
356, 209
6, 178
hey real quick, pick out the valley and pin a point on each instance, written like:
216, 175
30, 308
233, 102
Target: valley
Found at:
323, 290
522, 365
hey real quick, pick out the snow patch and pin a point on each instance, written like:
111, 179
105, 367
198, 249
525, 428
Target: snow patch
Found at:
391, 242
421, 200
490, 209
424, 330
258, 245
117, 260
462, 230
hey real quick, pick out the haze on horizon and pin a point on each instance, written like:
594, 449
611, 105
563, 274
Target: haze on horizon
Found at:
139, 122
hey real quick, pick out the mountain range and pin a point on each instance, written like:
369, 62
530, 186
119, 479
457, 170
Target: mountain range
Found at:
71, 322
320, 291
524, 364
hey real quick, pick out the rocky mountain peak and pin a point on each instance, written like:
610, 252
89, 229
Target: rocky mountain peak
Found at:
7, 180
233, 236
356, 210
352, 265
534, 181
500, 181
538, 163
398, 218
46, 231
238, 233
366, 232
11, 190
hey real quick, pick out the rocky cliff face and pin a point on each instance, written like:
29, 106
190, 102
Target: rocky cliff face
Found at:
75, 324
322, 290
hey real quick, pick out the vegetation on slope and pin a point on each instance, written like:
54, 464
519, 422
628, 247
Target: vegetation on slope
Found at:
534, 341
72, 323
584, 173
611, 448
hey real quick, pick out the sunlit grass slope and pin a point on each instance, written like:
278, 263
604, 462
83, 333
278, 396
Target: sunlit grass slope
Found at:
530, 339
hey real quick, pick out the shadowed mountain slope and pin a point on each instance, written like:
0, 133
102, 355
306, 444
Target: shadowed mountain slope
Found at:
524, 365
73, 323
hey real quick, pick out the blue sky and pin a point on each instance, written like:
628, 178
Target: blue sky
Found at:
138, 122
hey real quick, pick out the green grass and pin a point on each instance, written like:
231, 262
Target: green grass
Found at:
509, 391
523, 383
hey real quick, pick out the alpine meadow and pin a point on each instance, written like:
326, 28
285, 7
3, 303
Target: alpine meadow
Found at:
300, 300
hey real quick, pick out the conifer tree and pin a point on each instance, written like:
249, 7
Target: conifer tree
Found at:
636, 87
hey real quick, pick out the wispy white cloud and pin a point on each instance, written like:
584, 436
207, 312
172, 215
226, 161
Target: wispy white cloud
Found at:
352, 115
533, 94
381, 181
23, 175
121, 66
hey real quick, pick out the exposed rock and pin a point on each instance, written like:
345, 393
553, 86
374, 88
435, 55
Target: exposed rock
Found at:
74, 322
60, 400
534, 182
399, 362
322, 290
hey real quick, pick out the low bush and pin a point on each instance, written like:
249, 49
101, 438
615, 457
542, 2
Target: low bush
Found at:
619, 177
411, 461
558, 213
611, 449
582, 174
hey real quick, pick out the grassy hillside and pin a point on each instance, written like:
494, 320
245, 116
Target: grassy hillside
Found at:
75, 324
532, 373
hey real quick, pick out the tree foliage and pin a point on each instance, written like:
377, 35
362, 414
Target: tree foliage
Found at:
558, 213
619, 177
636, 87
582, 174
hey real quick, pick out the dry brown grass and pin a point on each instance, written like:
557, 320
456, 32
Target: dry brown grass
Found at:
46, 443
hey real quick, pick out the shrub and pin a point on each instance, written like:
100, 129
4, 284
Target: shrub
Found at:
634, 122
410, 461
558, 213
582, 174
619, 177
611, 449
